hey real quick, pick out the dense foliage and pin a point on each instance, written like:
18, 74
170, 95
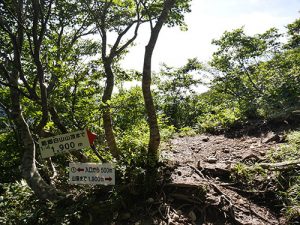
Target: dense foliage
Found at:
257, 72
63, 81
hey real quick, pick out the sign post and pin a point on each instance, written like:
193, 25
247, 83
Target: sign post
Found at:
79, 173
65, 142
91, 173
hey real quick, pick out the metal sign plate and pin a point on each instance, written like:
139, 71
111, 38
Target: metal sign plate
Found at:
63, 143
91, 173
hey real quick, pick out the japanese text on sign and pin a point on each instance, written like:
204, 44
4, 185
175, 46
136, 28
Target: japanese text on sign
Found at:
63, 143
91, 173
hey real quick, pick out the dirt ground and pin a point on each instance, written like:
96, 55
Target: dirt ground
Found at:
197, 184
204, 161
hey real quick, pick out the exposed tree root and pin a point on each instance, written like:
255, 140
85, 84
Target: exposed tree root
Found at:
230, 205
288, 165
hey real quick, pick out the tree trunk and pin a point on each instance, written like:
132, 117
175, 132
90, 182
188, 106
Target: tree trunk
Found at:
29, 169
154, 139
107, 119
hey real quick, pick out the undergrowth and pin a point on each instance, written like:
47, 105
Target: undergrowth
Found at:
289, 181
285, 182
20, 206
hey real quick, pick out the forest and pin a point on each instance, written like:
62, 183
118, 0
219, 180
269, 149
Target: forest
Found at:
229, 155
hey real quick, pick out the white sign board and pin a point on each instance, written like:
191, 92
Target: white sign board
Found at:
91, 173
63, 143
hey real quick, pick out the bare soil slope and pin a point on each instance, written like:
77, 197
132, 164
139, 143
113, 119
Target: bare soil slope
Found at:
205, 161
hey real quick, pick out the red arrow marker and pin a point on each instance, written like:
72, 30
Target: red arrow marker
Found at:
108, 178
80, 170
91, 136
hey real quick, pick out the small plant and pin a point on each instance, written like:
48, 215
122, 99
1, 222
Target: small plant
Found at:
187, 131
248, 176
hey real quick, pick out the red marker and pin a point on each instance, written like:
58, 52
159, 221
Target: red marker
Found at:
80, 170
91, 136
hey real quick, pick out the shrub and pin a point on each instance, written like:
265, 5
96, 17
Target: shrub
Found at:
10, 157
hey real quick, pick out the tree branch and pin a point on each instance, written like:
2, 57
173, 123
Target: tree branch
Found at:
37, 41
113, 51
16, 88
95, 18
5, 72
44, 20
56, 120
129, 41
